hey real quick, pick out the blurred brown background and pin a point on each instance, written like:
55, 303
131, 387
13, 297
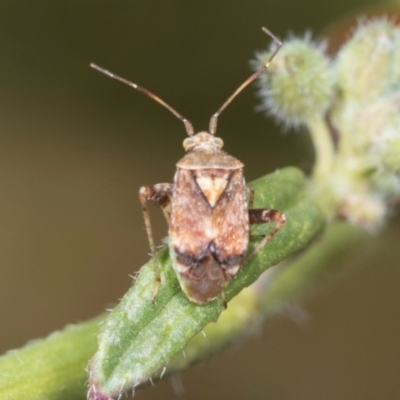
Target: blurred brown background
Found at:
75, 147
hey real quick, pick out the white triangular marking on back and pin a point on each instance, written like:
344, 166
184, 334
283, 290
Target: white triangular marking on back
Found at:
212, 187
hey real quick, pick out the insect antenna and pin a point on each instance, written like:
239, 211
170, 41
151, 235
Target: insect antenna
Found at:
214, 118
187, 123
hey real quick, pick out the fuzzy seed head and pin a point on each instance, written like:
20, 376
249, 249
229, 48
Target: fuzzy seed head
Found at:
369, 63
389, 151
298, 85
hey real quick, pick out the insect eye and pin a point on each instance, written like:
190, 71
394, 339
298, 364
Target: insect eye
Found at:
188, 144
218, 142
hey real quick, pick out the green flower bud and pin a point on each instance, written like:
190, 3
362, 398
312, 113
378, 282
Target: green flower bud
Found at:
364, 209
390, 151
369, 63
298, 85
362, 125
387, 183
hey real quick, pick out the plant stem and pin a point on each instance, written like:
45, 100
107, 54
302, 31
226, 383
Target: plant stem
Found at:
324, 148
52, 368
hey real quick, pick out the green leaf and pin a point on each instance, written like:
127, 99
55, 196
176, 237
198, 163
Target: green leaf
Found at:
140, 338
52, 368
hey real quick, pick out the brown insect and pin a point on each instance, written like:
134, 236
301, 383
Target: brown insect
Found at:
208, 207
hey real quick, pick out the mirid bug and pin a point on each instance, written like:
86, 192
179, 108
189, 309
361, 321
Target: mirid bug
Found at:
208, 207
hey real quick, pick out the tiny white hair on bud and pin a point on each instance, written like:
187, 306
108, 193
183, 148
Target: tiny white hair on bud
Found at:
163, 372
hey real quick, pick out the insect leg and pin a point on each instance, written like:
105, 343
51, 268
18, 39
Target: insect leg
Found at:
265, 216
160, 195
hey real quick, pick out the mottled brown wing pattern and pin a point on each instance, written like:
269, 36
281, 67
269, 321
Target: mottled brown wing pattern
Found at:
208, 229
214, 217
230, 219
190, 217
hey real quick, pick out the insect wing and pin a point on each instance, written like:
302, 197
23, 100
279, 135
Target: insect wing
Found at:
208, 229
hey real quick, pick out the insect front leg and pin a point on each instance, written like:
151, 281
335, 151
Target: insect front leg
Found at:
265, 216
160, 195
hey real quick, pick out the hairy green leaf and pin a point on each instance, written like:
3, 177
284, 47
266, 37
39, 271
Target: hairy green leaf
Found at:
141, 337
